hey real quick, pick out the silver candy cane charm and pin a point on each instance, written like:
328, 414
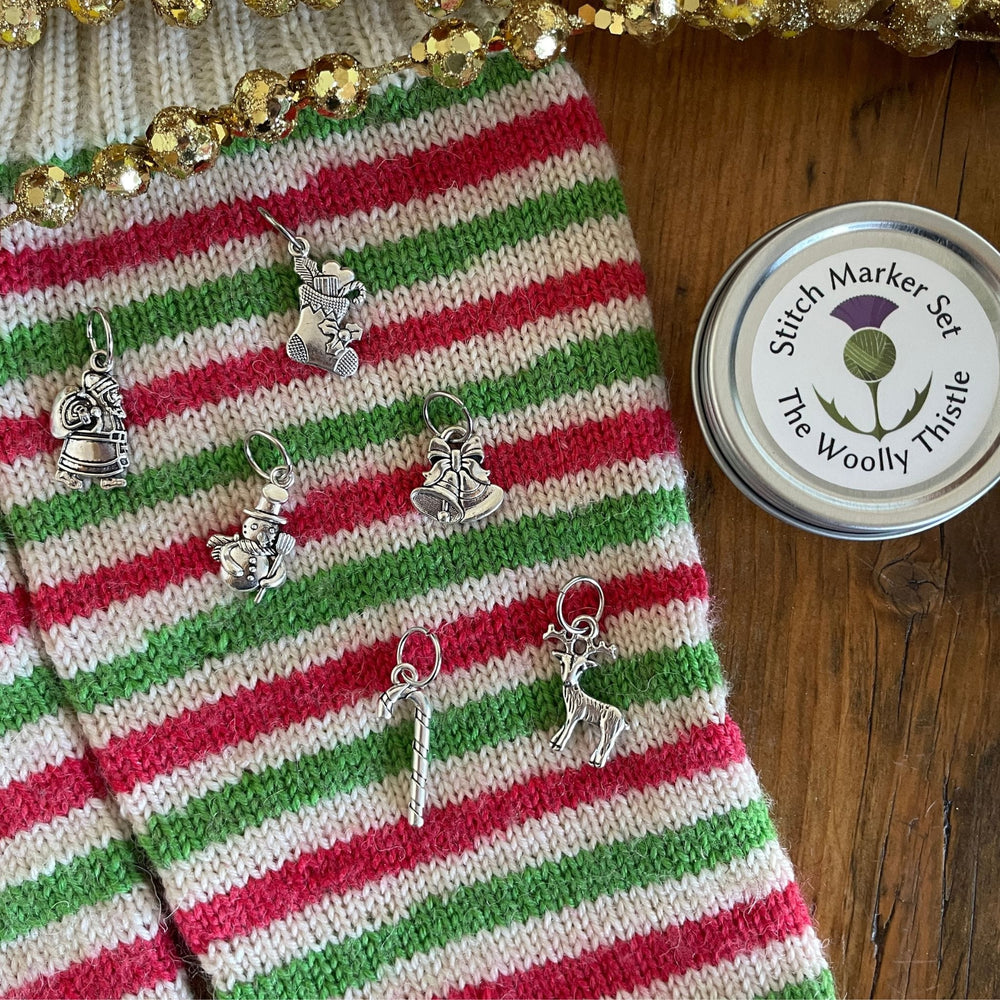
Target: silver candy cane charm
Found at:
90, 420
406, 686
580, 653
254, 560
456, 487
327, 292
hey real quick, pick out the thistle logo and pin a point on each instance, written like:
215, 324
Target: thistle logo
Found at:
870, 355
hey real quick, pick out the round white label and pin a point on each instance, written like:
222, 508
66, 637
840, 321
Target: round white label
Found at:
875, 369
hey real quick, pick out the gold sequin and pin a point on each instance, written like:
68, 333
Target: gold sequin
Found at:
335, 86
536, 32
122, 169
94, 11
270, 8
47, 196
184, 13
453, 51
184, 141
21, 23
263, 105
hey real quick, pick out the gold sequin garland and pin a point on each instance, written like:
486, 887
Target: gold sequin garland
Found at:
182, 141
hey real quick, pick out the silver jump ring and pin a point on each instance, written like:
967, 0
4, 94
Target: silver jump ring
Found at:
435, 670
296, 244
438, 394
589, 620
281, 474
101, 358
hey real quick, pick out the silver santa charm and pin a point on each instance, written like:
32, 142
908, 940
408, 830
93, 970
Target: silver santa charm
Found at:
580, 652
456, 487
254, 560
90, 421
328, 291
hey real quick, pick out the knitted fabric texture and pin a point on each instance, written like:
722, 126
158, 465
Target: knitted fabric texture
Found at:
240, 744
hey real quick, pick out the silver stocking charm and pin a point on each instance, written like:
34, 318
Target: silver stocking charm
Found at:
456, 487
328, 291
406, 686
253, 561
90, 421
580, 652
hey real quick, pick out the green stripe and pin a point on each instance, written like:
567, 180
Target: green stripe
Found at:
576, 368
349, 588
28, 699
55, 346
818, 988
101, 874
502, 900
394, 105
660, 676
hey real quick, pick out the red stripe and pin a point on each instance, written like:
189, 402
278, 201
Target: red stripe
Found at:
196, 387
113, 972
336, 683
639, 961
15, 613
332, 191
47, 794
327, 510
369, 857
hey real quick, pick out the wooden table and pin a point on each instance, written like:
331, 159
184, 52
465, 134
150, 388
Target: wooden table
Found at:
864, 675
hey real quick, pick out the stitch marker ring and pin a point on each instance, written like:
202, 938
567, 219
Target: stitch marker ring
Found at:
281, 474
100, 359
589, 621
438, 394
407, 673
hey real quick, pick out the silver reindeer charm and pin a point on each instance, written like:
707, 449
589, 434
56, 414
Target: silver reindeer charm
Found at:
327, 292
407, 686
579, 653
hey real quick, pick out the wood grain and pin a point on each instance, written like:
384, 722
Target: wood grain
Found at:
865, 675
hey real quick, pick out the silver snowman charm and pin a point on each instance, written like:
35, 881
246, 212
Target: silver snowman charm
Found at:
90, 421
253, 561
580, 652
327, 293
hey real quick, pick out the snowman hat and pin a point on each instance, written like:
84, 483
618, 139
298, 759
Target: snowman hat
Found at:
268, 506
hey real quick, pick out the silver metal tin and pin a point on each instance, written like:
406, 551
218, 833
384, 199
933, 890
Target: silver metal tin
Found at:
846, 370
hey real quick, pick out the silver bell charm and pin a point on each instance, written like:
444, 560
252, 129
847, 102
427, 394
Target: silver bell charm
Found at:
456, 487
327, 292
90, 421
254, 560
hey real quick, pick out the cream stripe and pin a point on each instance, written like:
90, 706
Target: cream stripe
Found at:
359, 230
175, 790
107, 634
76, 552
219, 867
36, 851
38, 745
751, 974
20, 657
32, 478
550, 838
285, 166
216, 679
78, 936
175, 989
83, 644
587, 927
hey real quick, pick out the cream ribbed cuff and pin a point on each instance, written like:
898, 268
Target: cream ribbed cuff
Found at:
84, 86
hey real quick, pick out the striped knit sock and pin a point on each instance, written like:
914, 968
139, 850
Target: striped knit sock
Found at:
77, 916
241, 742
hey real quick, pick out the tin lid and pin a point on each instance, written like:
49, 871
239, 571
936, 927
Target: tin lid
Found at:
846, 370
